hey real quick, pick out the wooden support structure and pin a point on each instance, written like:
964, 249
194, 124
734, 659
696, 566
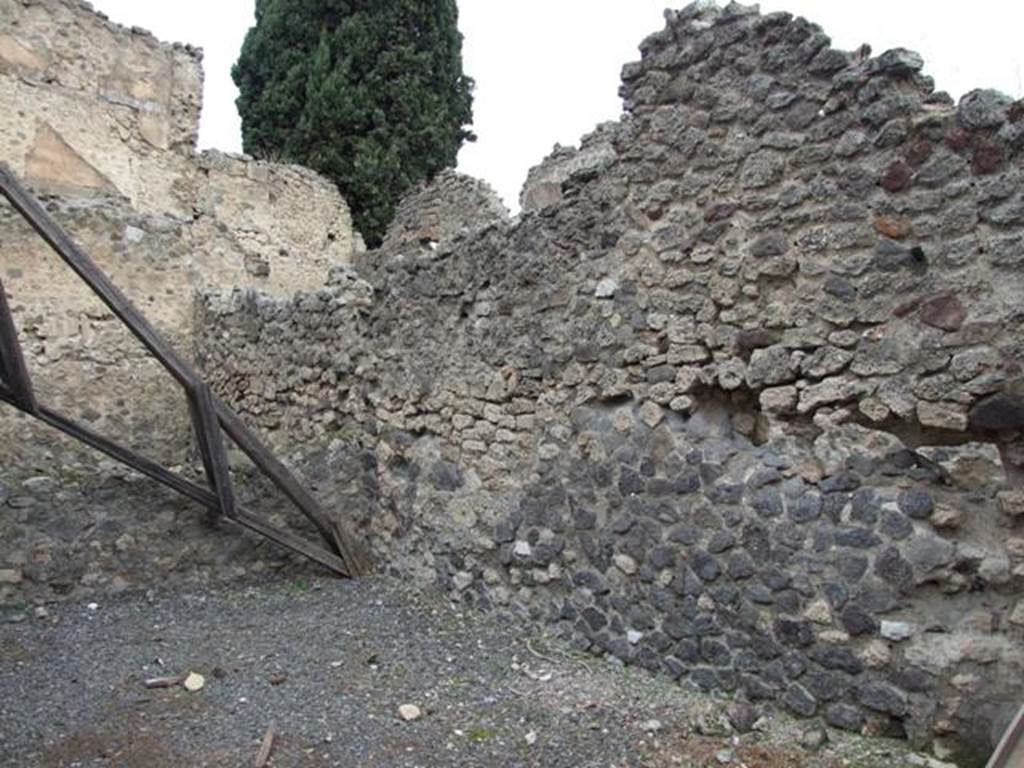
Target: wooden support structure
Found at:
211, 446
1010, 750
211, 418
13, 373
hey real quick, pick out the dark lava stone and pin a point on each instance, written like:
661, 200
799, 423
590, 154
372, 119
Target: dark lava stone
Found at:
916, 503
799, 700
845, 716
895, 525
858, 621
794, 632
858, 538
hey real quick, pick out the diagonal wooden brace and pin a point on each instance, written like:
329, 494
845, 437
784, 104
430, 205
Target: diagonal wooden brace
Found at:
13, 371
209, 415
211, 446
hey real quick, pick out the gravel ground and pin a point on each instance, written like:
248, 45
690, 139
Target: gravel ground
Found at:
328, 663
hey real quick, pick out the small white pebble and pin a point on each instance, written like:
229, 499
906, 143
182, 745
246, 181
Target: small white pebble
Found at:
410, 712
194, 682
93, 606
531, 738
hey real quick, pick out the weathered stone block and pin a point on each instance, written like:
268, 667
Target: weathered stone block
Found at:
971, 466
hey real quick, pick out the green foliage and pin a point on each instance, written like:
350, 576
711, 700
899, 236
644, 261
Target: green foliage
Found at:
370, 93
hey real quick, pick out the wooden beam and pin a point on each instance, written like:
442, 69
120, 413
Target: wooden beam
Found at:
334, 532
139, 463
1010, 750
350, 549
211, 446
263, 756
12, 362
48, 229
292, 542
151, 469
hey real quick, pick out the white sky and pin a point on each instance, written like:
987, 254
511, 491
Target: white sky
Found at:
547, 71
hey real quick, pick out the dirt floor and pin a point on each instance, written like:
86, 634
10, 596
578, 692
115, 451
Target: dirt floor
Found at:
327, 664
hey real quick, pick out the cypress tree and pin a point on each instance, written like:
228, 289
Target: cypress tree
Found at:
370, 93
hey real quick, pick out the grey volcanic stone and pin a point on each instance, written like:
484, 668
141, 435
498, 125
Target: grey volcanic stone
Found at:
838, 657
445, 476
983, 108
916, 503
858, 621
769, 245
859, 538
893, 569
895, 525
762, 169
770, 366
927, 552
826, 686
806, 508
767, 502
845, 716
740, 565
591, 580
883, 697
721, 542
705, 566
594, 618
898, 62
793, 632
799, 700
1001, 411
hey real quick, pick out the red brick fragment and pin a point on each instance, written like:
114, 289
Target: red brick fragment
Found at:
958, 139
988, 158
895, 227
897, 177
944, 312
918, 152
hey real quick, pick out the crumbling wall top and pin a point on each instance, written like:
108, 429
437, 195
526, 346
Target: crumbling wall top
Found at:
450, 204
65, 44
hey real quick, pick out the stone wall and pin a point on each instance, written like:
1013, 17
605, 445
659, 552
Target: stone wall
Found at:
737, 398
544, 182
105, 131
450, 206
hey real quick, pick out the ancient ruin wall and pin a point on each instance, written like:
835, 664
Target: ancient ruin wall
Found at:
100, 106
737, 398
452, 205
103, 125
